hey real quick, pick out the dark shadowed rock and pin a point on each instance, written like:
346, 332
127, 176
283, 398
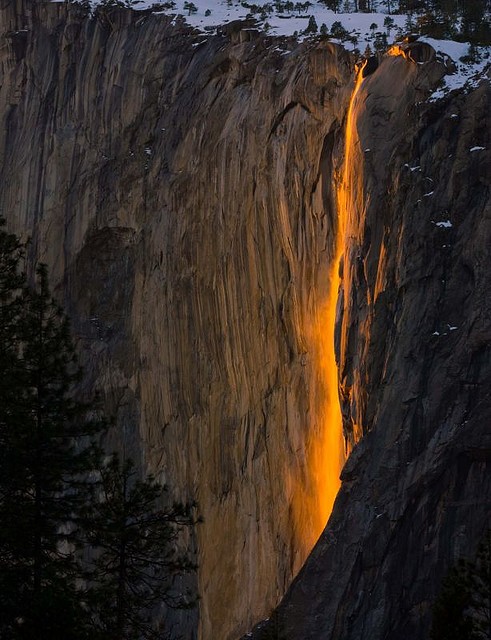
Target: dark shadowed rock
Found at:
371, 66
418, 52
240, 30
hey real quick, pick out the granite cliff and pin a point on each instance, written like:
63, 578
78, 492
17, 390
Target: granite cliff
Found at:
183, 190
413, 343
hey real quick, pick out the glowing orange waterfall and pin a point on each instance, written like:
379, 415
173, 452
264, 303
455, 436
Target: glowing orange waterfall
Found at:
312, 505
351, 201
350, 187
348, 192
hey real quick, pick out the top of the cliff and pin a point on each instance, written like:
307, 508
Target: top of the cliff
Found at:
358, 23
460, 30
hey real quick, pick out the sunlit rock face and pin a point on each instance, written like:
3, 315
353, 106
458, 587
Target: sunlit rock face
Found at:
414, 348
180, 190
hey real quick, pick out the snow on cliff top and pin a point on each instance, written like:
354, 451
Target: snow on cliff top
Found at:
358, 32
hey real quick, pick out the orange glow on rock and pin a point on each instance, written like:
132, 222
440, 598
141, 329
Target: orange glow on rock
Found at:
396, 50
313, 497
330, 455
351, 203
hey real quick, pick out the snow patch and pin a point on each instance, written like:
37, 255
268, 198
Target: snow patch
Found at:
354, 30
445, 223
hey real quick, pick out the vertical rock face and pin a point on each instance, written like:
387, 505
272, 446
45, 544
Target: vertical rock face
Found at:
182, 191
414, 343
179, 189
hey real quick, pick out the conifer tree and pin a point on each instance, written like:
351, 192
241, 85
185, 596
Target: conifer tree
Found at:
56, 507
47, 454
463, 609
136, 557
12, 281
450, 619
312, 26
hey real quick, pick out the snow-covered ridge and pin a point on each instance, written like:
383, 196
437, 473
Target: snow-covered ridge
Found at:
363, 33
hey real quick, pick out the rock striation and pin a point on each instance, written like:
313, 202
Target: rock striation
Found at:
414, 351
182, 190
179, 188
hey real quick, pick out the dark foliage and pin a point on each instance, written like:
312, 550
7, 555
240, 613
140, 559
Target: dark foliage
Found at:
47, 451
84, 553
136, 559
463, 609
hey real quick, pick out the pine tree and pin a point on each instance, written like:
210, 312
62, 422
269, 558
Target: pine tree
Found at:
463, 609
450, 621
312, 26
55, 504
388, 24
47, 454
389, 5
479, 575
12, 281
190, 7
135, 560
476, 25
333, 5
